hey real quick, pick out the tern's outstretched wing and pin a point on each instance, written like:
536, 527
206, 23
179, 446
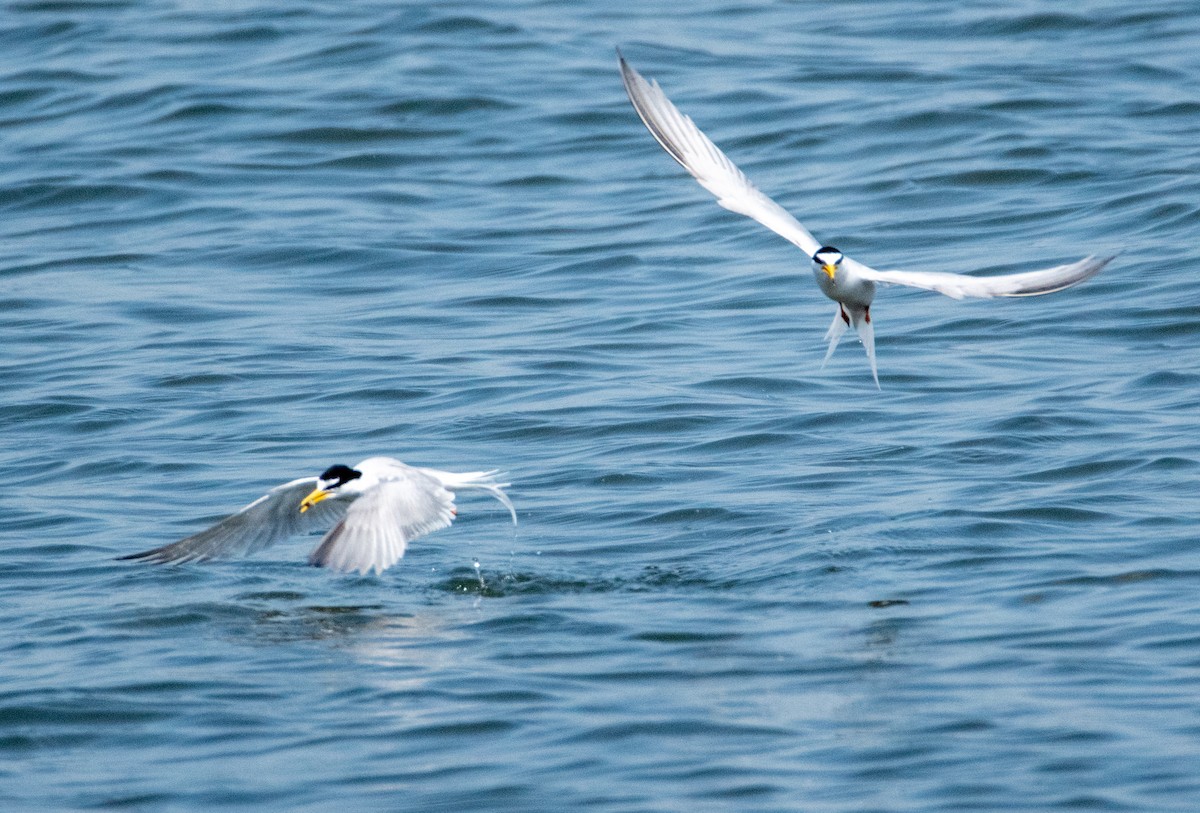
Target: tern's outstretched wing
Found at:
375, 532
958, 286
272, 517
698, 155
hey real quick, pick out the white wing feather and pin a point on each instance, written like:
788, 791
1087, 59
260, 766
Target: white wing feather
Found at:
377, 528
958, 286
684, 141
272, 517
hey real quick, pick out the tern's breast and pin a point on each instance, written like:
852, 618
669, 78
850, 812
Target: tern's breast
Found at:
845, 286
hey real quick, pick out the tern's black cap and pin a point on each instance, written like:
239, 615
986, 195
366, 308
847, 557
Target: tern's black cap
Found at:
339, 475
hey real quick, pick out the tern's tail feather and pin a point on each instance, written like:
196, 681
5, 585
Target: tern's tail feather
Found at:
478, 481
834, 335
860, 319
866, 334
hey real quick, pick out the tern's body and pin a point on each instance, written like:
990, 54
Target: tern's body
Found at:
847, 282
846, 286
377, 508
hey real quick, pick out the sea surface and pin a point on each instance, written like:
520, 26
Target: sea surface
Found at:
243, 241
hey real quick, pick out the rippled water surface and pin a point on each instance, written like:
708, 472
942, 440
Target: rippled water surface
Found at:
242, 241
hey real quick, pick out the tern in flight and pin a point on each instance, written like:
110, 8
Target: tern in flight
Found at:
847, 282
379, 506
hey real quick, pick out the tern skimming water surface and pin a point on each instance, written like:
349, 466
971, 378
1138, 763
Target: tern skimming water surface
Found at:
379, 506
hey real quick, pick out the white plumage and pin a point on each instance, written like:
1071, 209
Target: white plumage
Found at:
849, 283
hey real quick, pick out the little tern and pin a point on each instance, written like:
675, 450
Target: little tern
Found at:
379, 506
844, 280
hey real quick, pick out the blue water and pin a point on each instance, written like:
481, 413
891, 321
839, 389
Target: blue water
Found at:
240, 242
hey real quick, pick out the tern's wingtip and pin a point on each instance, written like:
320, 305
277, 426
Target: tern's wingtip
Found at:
154, 556
1100, 260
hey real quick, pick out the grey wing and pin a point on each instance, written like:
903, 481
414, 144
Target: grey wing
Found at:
1029, 283
379, 525
272, 517
684, 141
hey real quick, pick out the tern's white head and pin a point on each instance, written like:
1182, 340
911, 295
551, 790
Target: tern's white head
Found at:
334, 481
827, 259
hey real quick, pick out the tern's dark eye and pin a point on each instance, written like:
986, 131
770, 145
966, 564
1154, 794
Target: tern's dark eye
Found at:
339, 475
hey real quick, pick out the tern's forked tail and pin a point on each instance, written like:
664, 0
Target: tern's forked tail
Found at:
477, 481
860, 319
